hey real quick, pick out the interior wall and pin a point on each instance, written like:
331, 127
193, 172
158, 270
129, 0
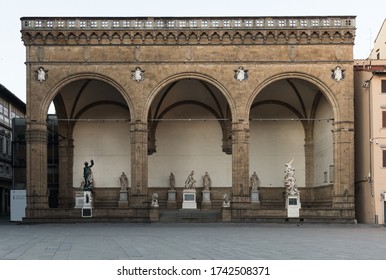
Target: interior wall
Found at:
323, 144
184, 146
272, 144
106, 142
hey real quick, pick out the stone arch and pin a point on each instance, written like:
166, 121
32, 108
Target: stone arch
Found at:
188, 118
315, 148
297, 75
188, 75
82, 76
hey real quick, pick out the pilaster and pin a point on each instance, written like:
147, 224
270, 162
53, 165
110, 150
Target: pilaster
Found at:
343, 191
240, 163
36, 139
66, 160
139, 167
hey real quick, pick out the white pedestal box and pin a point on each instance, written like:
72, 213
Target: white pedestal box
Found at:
189, 199
293, 205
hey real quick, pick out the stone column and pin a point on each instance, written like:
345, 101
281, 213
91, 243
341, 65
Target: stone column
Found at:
309, 156
139, 168
343, 190
36, 140
240, 164
66, 162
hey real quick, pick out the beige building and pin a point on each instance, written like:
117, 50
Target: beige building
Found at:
228, 96
370, 104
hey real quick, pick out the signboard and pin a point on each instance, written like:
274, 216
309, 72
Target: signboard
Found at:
18, 205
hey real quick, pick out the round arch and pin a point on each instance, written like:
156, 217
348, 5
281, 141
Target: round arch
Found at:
296, 75
188, 75
82, 76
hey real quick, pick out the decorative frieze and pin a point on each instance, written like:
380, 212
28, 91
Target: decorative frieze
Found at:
188, 31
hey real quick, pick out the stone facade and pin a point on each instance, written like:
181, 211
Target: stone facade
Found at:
141, 60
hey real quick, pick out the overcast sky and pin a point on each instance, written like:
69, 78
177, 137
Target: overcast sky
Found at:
370, 16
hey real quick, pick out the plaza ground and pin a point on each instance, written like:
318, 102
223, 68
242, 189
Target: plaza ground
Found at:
244, 241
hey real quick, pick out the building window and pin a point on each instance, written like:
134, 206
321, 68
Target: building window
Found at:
383, 86
384, 119
383, 158
325, 176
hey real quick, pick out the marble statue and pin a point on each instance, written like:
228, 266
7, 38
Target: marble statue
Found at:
206, 181
226, 201
190, 183
154, 200
88, 183
124, 182
172, 181
254, 181
289, 179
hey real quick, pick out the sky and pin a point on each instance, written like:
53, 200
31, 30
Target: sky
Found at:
370, 16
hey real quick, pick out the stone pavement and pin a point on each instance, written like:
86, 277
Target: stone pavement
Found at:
134, 241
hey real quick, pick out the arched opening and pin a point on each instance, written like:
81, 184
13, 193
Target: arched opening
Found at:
92, 123
291, 119
189, 130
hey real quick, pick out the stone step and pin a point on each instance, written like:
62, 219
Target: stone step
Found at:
190, 216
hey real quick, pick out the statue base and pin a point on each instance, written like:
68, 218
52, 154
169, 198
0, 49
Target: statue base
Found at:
293, 205
189, 199
79, 199
172, 199
123, 200
87, 206
206, 203
226, 214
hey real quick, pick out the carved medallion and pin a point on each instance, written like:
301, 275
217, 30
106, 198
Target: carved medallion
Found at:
337, 74
241, 74
138, 74
41, 74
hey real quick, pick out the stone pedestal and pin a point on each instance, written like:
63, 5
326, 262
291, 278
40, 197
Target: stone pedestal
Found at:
255, 197
189, 199
154, 215
123, 200
79, 200
206, 203
87, 206
293, 205
226, 214
172, 199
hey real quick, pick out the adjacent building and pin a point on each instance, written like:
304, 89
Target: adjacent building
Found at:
11, 107
370, 133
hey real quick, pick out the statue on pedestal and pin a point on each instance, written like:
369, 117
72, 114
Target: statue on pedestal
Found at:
88, 183
190, 183
206, 181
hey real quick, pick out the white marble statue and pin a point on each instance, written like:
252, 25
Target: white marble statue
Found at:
172, 181
124, 182
206, 181
289, 179
254, 181
154, 200
226, 201
190, 183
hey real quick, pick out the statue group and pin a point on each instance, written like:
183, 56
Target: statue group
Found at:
289, 179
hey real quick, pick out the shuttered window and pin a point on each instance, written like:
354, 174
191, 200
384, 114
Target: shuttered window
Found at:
384, 119
384, 158
383, 86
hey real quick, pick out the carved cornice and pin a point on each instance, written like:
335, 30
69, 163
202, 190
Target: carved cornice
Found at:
188, 31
